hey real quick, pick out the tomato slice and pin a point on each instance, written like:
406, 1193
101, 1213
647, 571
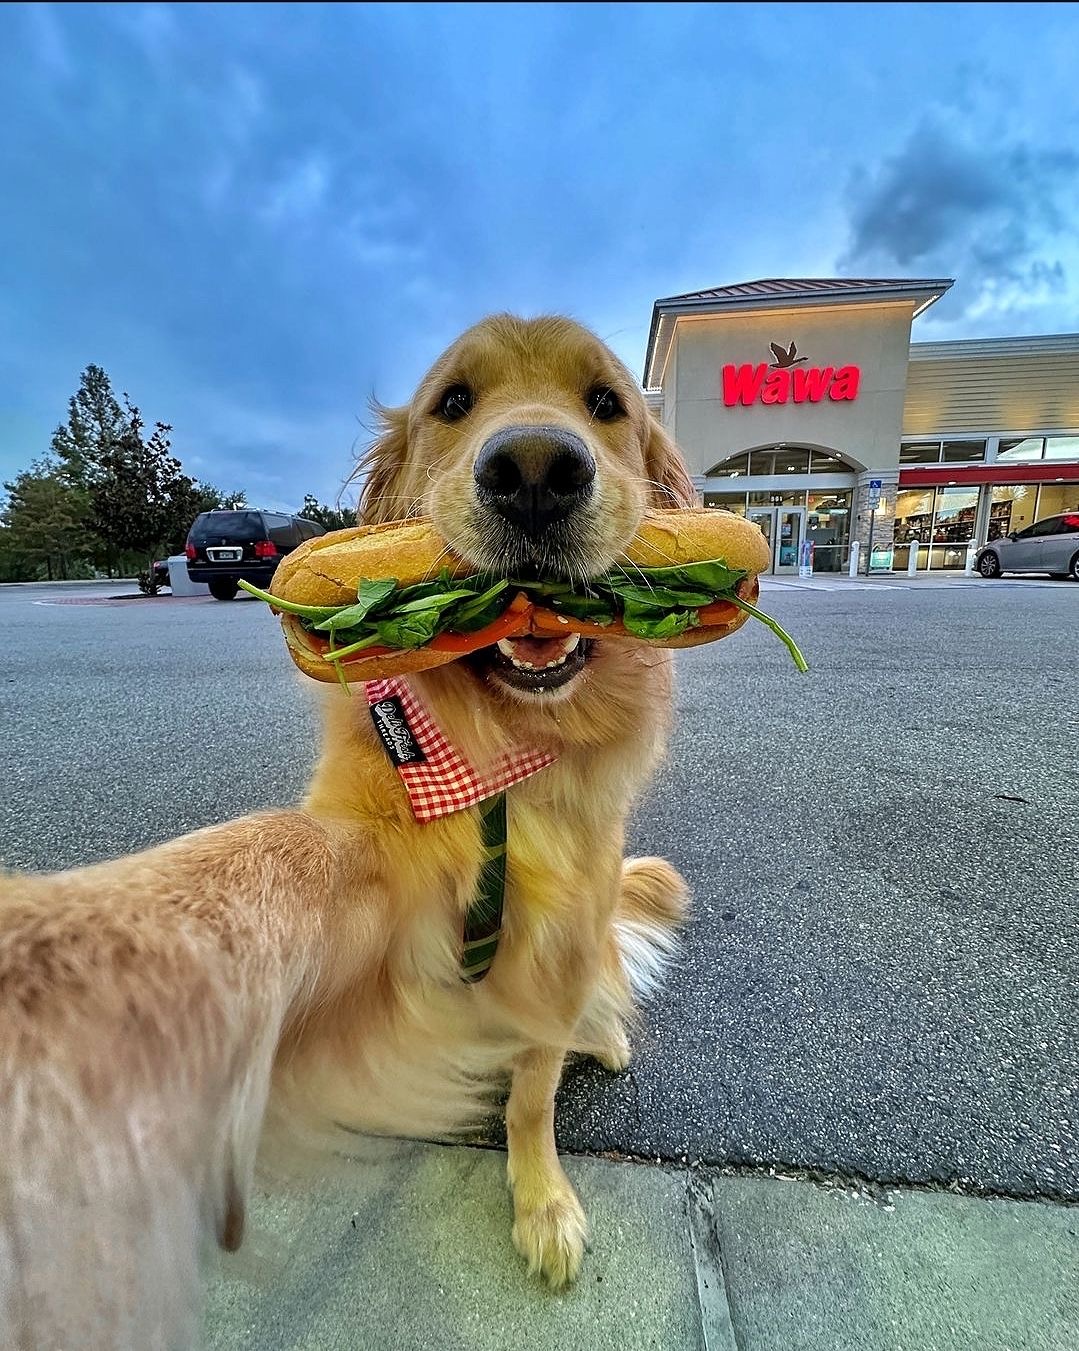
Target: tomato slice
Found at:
718, 613
513, 622
550, 624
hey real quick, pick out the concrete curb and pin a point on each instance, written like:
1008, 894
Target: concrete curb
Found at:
411, 1251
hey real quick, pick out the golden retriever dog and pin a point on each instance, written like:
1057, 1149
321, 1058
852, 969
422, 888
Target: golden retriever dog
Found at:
304, 965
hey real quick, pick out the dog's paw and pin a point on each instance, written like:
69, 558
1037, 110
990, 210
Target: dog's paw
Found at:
552, 1237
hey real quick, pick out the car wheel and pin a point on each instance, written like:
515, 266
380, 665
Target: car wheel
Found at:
1073, 568
989, 565
223, 588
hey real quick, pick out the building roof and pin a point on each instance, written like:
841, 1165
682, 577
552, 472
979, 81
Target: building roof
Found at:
808, 288
1037, 344
781, 292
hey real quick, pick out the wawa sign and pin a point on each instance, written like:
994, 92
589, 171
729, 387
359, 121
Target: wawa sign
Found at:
788, 380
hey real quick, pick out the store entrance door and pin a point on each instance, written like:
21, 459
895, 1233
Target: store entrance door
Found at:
784, 528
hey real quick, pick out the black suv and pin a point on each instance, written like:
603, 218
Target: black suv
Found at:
225, 546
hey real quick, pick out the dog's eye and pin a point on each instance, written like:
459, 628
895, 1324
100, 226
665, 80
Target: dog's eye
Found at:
604, 404
456, 403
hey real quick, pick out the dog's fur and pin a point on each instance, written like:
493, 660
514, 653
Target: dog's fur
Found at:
151, 1007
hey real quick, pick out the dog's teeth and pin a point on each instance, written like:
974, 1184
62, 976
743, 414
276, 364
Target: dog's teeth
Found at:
508, 647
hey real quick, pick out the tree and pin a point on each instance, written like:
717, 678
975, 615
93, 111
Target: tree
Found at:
43, 523
333, 518
138, 488
226, 501
95, 421
106, 490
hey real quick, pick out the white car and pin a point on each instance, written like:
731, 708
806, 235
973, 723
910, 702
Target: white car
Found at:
1050, 546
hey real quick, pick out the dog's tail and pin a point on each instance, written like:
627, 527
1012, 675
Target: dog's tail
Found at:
653, 904
644, 942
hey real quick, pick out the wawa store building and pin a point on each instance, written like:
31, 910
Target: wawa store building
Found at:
805, 406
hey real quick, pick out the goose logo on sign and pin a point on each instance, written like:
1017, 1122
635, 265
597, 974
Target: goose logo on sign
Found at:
788, 380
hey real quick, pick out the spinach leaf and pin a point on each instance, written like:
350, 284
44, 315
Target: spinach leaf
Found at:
311, 613
662, 597
647, 621
436, 603
336, 653
469, 616
408, 630
714, 577
595, 608
437, 586
370, 596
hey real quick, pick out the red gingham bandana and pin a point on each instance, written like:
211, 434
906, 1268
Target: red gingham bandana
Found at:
439, 780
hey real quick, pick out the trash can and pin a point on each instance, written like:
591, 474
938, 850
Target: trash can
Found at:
180, 583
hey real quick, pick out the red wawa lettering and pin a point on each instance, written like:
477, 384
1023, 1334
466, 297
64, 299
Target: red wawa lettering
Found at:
747, 384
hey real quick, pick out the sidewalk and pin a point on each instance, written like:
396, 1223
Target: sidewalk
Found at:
412, 1252
839, 581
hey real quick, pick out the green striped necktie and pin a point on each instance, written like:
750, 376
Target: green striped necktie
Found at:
483, 922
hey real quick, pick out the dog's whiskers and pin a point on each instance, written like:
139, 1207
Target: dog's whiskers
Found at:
443, 555
662, 487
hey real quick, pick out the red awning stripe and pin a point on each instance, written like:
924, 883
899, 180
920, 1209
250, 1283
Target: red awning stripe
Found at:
941, 475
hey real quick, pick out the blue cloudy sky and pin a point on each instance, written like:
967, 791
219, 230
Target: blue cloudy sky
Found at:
258, 217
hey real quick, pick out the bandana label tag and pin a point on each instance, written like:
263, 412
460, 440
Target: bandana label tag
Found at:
396, 735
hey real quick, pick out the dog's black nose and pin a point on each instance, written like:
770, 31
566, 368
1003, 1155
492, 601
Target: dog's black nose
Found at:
534, 476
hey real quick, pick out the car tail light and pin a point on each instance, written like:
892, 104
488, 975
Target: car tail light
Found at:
190, 551
265, 548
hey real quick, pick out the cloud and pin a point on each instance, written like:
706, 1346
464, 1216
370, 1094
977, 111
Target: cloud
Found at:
300, 192
274, 455
991, 213
48, 42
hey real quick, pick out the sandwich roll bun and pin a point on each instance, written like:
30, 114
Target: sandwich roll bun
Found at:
696, 535
327, 571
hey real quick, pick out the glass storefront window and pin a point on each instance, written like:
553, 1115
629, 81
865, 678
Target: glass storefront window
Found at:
913, 515
823, 463
1024, 448
1011, 507
828, 526
956, 510
1062, 448
791, 460
1055, 498
736, 467
959, 452
920, 452
761, 462
735, 502
770, 460
937, 452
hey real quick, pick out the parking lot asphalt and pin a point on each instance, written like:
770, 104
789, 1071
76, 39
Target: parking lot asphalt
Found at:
880, 978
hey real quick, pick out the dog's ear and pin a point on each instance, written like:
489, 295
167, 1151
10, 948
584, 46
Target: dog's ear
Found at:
671, 483
381, 470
